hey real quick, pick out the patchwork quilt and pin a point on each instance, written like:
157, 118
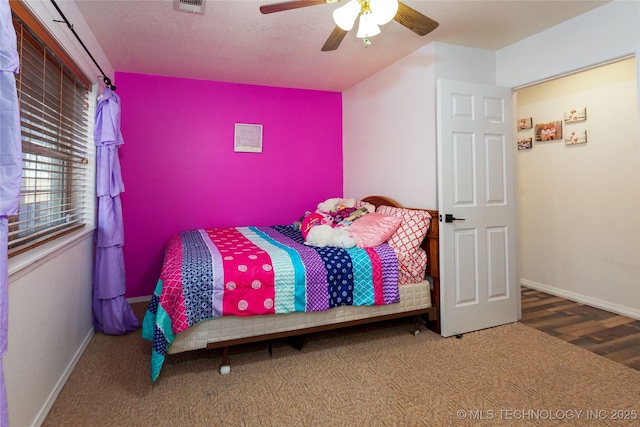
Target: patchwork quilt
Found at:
249, 271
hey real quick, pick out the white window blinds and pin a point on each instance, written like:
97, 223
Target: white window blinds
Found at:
54, 127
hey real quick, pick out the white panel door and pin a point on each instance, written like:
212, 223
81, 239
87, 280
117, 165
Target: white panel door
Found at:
476, 192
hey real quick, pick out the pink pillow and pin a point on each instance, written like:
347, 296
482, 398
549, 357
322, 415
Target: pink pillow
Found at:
413, 229
373, 229
412, 259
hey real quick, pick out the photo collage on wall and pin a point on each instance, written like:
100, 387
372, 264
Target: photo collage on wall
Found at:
575, 135
525, 124
552, 131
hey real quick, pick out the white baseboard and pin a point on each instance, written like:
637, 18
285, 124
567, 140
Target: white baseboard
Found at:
63, 379
593, 302
139, 299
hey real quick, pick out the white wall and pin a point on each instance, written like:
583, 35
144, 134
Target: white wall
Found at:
465, 64
389, 133
599, 36
50, 319
389, 123
580, 204
382, 134
607, 32
50, 323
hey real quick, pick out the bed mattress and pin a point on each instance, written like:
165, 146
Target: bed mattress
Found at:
413, 296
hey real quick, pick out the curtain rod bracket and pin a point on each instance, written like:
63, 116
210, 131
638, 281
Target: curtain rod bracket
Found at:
107, 81
63, 22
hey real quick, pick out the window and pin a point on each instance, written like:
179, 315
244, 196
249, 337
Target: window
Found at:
54, 114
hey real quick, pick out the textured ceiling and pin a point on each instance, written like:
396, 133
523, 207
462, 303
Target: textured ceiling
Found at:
234, 42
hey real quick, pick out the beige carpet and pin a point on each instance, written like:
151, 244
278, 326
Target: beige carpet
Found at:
364, 376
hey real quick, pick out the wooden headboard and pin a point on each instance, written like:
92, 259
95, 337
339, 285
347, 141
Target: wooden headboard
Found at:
430, 244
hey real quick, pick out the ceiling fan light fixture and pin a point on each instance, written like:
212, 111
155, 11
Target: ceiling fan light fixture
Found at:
367, 26
383, 11
372, 14
345, 16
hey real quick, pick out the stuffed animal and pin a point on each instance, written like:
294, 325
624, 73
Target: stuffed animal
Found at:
333, 204
364, 205
356, 214
318, 229
325, 235
340, 214
362, 210
313, 220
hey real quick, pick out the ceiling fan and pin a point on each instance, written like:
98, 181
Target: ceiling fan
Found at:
372, 13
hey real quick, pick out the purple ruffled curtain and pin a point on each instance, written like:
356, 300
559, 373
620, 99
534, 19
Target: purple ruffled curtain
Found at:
111, 311
10, 173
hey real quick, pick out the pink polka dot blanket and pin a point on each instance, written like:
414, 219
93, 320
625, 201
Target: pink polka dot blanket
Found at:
249, 271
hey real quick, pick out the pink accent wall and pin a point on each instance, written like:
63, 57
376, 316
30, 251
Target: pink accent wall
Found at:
180, 171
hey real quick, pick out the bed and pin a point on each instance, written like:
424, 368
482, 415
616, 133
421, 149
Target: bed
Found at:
312, 289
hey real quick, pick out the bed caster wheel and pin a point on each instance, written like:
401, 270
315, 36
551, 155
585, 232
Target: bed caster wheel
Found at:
225, 369
415, 332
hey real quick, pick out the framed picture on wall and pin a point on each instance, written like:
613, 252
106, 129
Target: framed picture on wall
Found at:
575, 115
576, 137
247, 138
525, 123
550, 131
525, 144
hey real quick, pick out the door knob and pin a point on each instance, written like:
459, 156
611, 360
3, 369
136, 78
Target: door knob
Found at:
451, 218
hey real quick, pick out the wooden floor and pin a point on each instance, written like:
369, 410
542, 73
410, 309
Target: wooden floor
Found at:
608, 334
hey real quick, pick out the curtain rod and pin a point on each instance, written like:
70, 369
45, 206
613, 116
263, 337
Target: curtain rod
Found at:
107, 80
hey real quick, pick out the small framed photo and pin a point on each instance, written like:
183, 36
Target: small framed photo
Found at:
575, 115
247, 138
551, 131
525, 123
525, 144
576, 137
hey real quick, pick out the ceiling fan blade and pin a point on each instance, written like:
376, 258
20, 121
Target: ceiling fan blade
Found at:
288, 5
414, 20
334, 40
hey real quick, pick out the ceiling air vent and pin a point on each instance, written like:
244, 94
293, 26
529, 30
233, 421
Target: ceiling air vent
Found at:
192, 6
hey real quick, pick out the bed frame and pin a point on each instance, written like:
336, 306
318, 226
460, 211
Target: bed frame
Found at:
429, 314
431, 245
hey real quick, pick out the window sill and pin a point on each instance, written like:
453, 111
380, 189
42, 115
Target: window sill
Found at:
24, 263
